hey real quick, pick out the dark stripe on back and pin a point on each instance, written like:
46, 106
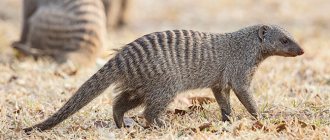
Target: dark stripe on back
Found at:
209, 47
80, 21
68, 2
160, 40
142, 61
195, 48
152, 40
171, 47
129, 58
149, 49
178, 48
186, 47
82, 39
76, 6
213, 43
169, 41
84, 12
189, 50
122, 64
144, 46
155, 53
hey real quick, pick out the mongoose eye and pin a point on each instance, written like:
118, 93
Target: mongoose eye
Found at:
284, 40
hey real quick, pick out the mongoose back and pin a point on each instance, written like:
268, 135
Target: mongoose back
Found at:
153, 69
63, 29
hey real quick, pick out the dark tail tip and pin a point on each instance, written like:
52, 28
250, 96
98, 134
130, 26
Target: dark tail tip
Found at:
28, 130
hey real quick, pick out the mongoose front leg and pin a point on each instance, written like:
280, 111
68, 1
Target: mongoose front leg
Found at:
222, 95
246, 98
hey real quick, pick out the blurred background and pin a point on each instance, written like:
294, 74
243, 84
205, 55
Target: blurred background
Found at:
296, 87
306, 19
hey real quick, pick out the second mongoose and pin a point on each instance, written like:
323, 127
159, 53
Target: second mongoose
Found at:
153, 69
66, 30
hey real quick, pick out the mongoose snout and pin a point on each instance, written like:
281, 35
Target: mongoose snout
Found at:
300, 51
154, 68
294, 50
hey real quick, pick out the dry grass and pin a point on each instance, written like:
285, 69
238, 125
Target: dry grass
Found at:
292, 93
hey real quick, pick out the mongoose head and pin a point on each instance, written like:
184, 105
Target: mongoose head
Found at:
277, 41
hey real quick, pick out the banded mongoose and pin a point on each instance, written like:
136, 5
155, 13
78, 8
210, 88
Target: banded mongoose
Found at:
63, 29
153, 69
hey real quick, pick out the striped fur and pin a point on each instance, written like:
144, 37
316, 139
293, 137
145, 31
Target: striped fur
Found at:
64, 29
184, 52
154, 68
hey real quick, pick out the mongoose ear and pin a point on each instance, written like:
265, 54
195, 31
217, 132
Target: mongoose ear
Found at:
262, 31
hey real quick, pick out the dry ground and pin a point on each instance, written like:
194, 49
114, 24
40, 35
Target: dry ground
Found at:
292, 93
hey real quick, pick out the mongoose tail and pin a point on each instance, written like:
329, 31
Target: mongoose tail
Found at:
92, 88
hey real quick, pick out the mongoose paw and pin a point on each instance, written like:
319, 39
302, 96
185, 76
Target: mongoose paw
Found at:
19, 47
25, 49
125, 126
128, 122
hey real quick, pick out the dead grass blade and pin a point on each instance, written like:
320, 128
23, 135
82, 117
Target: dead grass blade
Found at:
201, 100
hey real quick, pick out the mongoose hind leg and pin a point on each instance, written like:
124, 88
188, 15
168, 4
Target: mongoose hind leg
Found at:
222, 95
124, 102
155, 105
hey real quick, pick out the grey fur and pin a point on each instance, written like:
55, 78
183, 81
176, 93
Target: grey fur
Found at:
153, 69
63, 29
